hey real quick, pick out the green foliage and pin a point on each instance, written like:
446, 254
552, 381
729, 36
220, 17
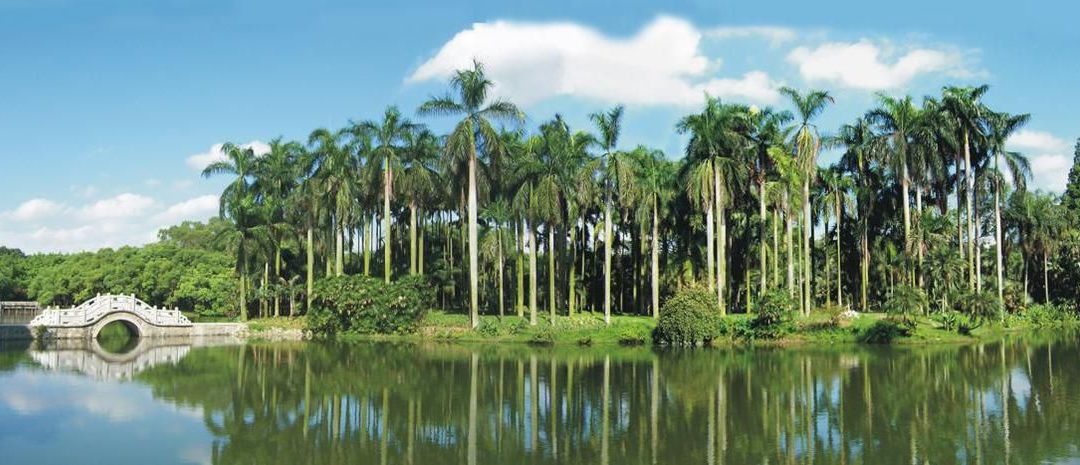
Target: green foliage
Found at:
364, 305
772, 317
882, 331
690, 317
976, 308
902, 304
1041, 316
635, 335
543, 335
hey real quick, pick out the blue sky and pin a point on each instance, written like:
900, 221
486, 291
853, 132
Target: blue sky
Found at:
108, 107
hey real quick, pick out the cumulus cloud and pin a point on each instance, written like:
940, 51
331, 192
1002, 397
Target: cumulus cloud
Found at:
125, 219
34, 209
198, 208
1048, 155
662, 64
868, 65
199, 161
125, 205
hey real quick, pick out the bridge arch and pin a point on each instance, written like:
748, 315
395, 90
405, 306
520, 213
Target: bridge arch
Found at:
135, 324
88, 319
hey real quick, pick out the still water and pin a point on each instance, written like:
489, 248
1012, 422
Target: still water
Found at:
1011, 402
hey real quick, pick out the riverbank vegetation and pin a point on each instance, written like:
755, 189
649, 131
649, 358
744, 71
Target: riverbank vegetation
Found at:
923, 214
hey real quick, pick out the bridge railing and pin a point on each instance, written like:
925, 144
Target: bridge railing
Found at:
98, 307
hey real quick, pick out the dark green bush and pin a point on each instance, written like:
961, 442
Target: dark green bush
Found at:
977, 308
882, 331
635, 335
772, 316
690, 317
902, 304
1042, 315
365, 305
544, 336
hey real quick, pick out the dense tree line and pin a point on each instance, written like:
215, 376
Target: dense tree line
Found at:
925, 201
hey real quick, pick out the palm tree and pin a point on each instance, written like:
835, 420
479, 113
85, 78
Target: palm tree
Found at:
767, 131
389, 137
276, 176
473, 135
858, 140
416, 182
654, 189
337, 172
238, 204
897, 119
837, 185
609, 124
964, 110
807, 143
1001, 126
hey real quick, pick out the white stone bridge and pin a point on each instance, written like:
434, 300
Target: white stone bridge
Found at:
143, 320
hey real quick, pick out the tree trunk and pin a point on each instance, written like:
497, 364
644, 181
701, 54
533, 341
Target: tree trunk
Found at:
369, 238
807, 226
788, 237
763, 219
530, 236
710, 250
865, 246
969, 176
420, 247
502, 296
552, 300
412, 239
904, 187
655, 263
607, 260
387, 180
839, 274
721, 241
997, 244
310, 266
519, 247
571, 288
1046, 277
474, 286
277, 275
339, 257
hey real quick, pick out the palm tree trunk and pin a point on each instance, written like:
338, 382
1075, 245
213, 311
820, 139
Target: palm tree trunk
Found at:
551, 272
710, 251
607, 260
277, 274
310, 266
339, 254
530, 236
997, 243
420, 247
368, 236
763, 228
775, 248
655, 263
474, 285
243, 297
1046, 277
905, 184
571, 288
387, 179
969, 176
839, 277
519, 246
807, 226
721, 244
959, 209
788, 235
412, 238
865, 246
502, 296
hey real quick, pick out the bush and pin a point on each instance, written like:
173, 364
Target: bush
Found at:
977, 308
1042, 315
772, 318
882, 331
364, 305
903, 302
634, 335
690, 317
544, 336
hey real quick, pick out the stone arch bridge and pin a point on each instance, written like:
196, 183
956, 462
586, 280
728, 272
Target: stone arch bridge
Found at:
143, 320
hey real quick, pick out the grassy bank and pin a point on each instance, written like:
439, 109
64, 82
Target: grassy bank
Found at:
589, 329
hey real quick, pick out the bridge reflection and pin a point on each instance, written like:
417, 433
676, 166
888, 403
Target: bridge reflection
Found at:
89, 358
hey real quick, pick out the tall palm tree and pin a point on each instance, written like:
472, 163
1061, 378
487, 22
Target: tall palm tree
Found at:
963, 108
897, 119
416, 183
238, 204
858, 141
337, 172
472, 136
389, 136
654, 190
807, 143
276, 176
609, 125
1001, 126
837, 185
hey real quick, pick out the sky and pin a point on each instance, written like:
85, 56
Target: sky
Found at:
110, 108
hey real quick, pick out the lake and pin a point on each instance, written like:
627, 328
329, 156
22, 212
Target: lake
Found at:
1011, 402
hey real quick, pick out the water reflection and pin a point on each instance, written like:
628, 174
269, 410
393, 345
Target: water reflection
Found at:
430, 404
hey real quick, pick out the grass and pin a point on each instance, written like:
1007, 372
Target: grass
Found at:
272, 323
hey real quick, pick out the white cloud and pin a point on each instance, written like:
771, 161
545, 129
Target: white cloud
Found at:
1048, 155
34, 209
202, 160
773, 34
1026, 139
662, 64
867, 65
125, 205
198, 208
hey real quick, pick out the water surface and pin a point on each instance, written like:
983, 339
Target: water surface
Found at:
1016, 401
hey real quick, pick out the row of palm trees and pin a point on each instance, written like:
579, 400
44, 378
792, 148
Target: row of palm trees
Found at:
747, 210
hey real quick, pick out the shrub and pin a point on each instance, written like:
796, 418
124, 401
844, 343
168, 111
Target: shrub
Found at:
690, 317
978, 307
1043, 315
544, 335
882, 331
634, 335
903, 302
364, 305
772, 317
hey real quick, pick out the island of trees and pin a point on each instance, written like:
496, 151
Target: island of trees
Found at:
925, 208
